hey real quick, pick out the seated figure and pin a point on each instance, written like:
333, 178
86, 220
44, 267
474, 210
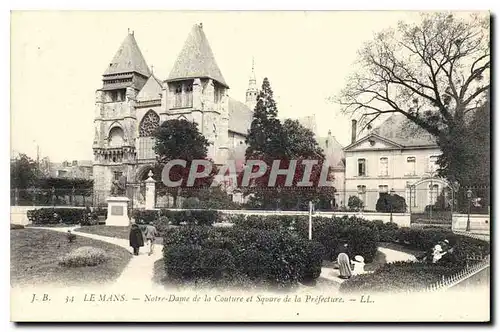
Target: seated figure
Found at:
359, 265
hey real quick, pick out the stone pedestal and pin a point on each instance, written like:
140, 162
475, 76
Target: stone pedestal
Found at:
117, 211
150, 192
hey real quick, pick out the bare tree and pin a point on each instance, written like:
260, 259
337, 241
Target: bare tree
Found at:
433, 72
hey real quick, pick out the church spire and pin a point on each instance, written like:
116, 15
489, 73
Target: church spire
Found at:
196, 59
128, 58
252, 91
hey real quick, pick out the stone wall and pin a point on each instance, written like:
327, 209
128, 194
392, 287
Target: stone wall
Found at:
479, 223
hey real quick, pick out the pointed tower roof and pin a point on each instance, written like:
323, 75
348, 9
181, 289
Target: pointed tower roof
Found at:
128, 59
151, 90
196, 59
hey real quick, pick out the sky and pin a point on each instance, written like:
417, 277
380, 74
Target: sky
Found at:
58, 58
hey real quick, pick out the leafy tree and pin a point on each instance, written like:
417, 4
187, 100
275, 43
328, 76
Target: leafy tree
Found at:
180, 139
262, 139
271, 140
435, 73
388, 203
355, 203
23, 174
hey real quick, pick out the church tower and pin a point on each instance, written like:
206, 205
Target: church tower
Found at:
115, 117
252, 91
196, 91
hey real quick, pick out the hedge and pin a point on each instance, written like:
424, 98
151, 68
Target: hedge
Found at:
278, 258
47, 216
194, 217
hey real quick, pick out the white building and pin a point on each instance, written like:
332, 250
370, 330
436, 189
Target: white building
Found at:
396, 156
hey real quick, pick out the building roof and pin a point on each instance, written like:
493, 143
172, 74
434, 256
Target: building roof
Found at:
240, 117
128, 58
196, 59
151, 90
399, 129
334, 153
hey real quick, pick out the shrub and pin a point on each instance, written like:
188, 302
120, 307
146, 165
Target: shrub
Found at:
191, 203
189, 262
274, 223
355, 203
360, 235
145, 216
44, 216
16, 226
387, 231
279, 258
84, 256
193, 217
387, 203
313, 262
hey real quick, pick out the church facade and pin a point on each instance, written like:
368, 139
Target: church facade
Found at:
133, 102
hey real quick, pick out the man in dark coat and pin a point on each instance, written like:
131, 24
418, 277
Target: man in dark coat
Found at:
136, 238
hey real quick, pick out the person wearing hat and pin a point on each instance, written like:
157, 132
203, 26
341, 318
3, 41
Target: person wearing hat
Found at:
359, 265
437, 253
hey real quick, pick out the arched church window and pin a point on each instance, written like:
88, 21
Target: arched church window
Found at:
116, 137
149, 123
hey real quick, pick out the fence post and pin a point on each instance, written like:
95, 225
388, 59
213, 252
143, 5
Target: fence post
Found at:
16, 196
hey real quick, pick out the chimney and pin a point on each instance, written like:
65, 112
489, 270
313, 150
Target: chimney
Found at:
353, 131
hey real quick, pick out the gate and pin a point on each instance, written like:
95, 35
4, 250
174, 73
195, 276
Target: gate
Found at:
431, 203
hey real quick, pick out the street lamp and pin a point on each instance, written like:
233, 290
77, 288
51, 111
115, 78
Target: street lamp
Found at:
469, 196
390, 199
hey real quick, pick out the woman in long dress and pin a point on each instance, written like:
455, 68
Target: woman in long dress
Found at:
344, 266
136, 238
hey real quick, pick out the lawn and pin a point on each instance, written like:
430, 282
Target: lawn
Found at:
120, 232
35, 255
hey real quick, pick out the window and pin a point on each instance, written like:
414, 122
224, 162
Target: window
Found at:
433, 166
117, 95
117, 175
411, 163
383, 188
183, 95
361, 167
384, 166
146, 150
178, 96
188, 95
149, 123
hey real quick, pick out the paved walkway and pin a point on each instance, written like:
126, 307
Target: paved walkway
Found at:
140, 268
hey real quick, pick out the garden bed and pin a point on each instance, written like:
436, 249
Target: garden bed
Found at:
35, 256
414, 276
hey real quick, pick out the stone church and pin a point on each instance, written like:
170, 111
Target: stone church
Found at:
132, 103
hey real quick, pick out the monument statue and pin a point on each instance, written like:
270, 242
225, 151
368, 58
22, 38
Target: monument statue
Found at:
118, 187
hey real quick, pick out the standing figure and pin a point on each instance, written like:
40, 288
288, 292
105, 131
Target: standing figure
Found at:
150, 233
344, 266
136, 238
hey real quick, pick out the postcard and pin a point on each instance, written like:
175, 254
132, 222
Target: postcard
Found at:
250, 166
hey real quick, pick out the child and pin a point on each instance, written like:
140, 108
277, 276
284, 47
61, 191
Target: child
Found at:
150, 234
359, 265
